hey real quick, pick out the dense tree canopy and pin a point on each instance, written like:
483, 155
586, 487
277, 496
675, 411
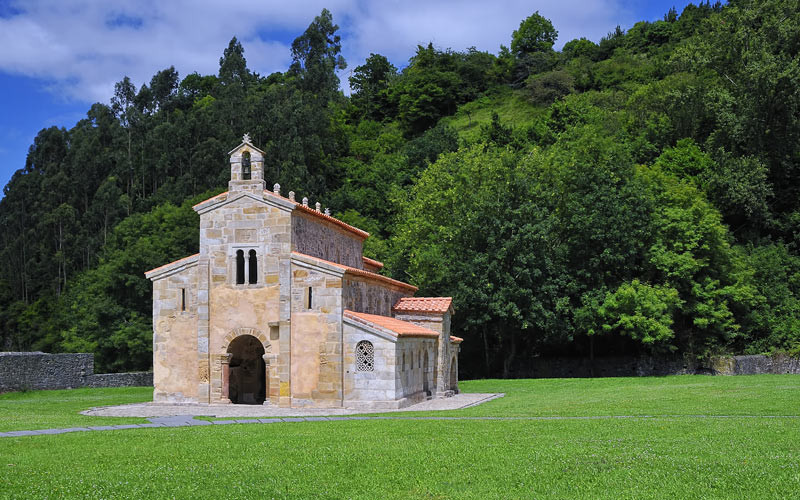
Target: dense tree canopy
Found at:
633, 196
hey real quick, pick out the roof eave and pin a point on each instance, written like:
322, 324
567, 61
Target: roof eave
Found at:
248, 145
172, 268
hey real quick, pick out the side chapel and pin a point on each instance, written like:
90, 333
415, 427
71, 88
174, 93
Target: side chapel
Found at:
280, 307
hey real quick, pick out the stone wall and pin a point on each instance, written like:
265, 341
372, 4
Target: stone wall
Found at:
225, 306
38, 371
755, 365
325, 241
644, 366
417, 361
367, 296
316, 336
445, 349
602, 367
130, 379
175, 335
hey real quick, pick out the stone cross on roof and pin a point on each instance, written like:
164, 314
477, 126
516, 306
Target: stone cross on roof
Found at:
246, 138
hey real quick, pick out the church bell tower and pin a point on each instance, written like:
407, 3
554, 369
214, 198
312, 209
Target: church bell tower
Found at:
247, 168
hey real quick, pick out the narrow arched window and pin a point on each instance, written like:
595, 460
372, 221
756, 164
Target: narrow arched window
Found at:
365, 356
246, 166
240, 267
253, 278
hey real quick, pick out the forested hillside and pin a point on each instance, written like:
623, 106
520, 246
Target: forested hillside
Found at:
639, 195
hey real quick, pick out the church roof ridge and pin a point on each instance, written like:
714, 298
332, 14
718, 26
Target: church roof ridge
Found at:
372, 262
424, 304
396, 327
246, 142
329, 218
361, 272
304, 209
158, 271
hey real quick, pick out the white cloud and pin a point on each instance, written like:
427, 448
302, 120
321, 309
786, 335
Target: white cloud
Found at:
81, 48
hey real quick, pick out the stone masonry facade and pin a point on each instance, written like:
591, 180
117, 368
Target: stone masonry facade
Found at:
280, 307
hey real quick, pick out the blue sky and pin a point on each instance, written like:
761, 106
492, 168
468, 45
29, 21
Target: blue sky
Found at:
57, 57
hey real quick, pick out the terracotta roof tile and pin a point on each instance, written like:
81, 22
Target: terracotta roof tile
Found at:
219, 196
372, 262
360, 272
343, 225
424, 304
174, 263
456, 340
395, 326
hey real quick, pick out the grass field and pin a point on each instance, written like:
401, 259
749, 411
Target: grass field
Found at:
60, 409
703, 437
511, 106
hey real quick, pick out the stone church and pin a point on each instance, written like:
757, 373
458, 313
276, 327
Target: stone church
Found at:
280, 307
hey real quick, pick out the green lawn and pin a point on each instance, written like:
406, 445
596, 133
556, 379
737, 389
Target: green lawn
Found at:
695, 448
59, 409
677, 395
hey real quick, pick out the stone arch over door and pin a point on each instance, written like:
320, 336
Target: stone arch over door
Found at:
246, 366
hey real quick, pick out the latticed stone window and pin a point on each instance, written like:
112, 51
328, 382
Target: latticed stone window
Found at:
365, 356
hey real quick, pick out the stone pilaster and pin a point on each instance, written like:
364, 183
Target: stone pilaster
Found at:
203, 360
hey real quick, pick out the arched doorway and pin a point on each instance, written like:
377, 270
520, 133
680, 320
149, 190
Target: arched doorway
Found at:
247, 380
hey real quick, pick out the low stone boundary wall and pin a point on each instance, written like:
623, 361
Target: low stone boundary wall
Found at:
643, 366
37, 370
755, 365
130, 379
617, 366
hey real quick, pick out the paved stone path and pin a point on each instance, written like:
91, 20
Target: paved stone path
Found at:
182, 415
147, 410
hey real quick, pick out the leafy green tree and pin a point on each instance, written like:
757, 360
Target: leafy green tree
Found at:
640, 311
435, 82
548, 87
773, 322
164, 87
691, 253
535, 34
233, 66
316, 55
751, 49
109, 311
481, 240
580, 47
686, 161
370, 85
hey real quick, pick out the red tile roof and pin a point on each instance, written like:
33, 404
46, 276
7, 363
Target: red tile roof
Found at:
372, 262
307, 210
360, 272
311, 211
219, 196
424, 304
456, 340
174, 263
396, 327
